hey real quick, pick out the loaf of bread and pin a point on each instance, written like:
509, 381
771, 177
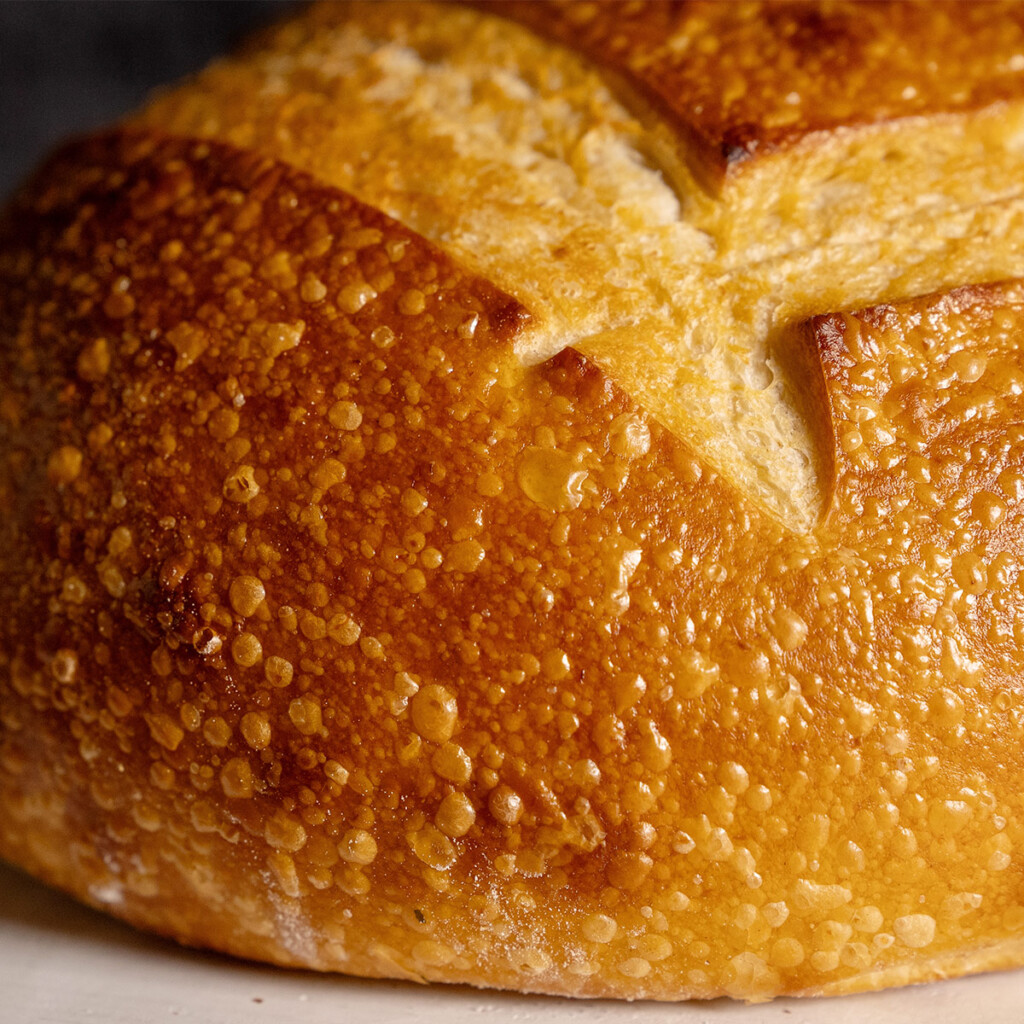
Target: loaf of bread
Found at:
453, 527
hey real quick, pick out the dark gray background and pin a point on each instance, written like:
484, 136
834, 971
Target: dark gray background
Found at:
68, 66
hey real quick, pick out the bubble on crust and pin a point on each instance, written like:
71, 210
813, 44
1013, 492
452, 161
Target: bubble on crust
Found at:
223, 423
452, 763
189, 341
165, 730
677, 901
988, 510
489, 484
345, 415
246, 650
655, 751
622, 561
74, 590
271, 340
635, 967
64, 465
283, 832
383, 337
216, 731
312, 289
861, 717
551, 478
337, 773
653, 947
734, 777
915, 930
628, 870
748, 974
353, 297
599, 928
809, 898
240, 485
306, 715
343, 629
246, 594
464, 556
555, 664
412, 302
414, 581
413, 502
775, 914
328, 474
787, 953
692, 672
960, 904
432, 847
456, 815
284, 872
790, 629
430, 953
999, 860
256, 729
717, 845
628, 689
629, 437
64, 665
435, 713
278, 671
505, 805
236, 779
357, 846
949, 817
93, 361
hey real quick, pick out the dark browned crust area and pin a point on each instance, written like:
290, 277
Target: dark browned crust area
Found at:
742, 79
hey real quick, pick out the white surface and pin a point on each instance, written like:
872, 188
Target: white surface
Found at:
62, 963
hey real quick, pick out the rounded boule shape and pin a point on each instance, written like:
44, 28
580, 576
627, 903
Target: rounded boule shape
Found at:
345, 626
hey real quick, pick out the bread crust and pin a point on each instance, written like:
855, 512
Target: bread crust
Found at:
743, 81
334, 635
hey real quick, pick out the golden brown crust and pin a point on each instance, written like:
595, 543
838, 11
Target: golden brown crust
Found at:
742, 79
564, 713
512, 154
331, 634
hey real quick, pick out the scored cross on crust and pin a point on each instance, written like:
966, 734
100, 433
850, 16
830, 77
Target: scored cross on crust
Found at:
522, 161
611, 617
